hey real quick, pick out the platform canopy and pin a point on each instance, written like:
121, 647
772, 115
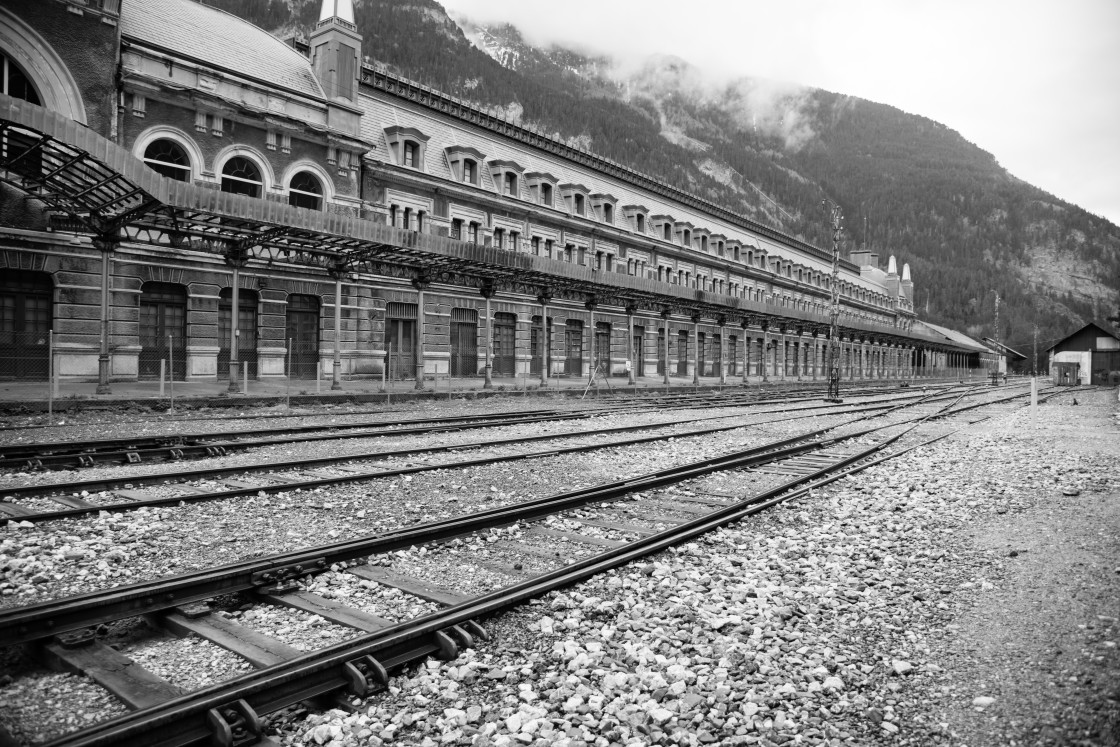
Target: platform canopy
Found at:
117, 198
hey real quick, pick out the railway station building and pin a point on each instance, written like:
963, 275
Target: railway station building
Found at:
181, 186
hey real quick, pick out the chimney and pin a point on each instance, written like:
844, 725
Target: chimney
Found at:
860, 256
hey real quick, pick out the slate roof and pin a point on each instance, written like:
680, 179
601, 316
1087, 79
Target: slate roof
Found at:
219, 40
951, 335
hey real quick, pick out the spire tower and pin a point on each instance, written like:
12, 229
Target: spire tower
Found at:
336, 50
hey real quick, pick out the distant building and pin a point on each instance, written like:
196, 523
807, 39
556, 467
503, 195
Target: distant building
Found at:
226, 199
1091, 355
1005, 357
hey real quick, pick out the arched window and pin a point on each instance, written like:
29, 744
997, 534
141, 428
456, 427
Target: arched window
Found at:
641, 222
305, 191
242, 177
168, 158
15, 83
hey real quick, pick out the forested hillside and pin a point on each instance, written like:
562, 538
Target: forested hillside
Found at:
909, 186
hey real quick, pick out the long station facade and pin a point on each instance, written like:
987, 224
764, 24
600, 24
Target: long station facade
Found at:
181, 188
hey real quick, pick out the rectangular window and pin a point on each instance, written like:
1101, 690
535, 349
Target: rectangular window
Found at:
537, 245
514, 241
457, 228
499, 238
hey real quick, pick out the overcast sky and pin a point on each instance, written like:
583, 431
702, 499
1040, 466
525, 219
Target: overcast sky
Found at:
1035, 83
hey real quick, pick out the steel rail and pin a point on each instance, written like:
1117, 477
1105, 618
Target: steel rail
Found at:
31, 622
162, 478
11, 454
187, 719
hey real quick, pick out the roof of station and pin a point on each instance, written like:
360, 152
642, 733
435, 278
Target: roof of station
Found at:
999, 347
955, 339
73, 169
218, 39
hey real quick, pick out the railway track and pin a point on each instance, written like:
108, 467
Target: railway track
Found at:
596, 529
190, 486
31, 456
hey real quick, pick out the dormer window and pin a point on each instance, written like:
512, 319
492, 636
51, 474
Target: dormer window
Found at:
718, 243
683, 231
604, 207
663, 226
464, 162
637, 215
406, 146
542, 187
575, 197
507, 177
700, 237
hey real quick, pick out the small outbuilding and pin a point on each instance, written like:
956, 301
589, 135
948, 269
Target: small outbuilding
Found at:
1091, 355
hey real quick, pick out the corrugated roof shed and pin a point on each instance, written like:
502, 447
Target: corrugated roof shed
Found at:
219, 40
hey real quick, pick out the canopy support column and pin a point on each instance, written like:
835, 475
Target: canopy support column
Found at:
107, 245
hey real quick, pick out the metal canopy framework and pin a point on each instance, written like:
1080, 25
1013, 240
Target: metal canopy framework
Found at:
118, 198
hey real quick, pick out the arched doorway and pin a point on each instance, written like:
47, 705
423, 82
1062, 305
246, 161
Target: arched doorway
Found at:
505, 345
163, 329
25, 324
302, 332
464, 342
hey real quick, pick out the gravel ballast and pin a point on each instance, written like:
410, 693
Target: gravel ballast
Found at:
964, 594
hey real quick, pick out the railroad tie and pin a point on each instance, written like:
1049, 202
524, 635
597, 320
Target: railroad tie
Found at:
416, 587
328, 609
630, 528
129, 682
671, 504
72, 501
585, 539
14, 510
257, 648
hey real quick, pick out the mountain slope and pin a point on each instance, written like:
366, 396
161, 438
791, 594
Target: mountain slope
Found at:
909, 186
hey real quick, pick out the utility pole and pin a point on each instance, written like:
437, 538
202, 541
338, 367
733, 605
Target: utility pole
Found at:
837, 219
995, 336
1034, 359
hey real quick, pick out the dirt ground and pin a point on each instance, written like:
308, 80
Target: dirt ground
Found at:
1043, 642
